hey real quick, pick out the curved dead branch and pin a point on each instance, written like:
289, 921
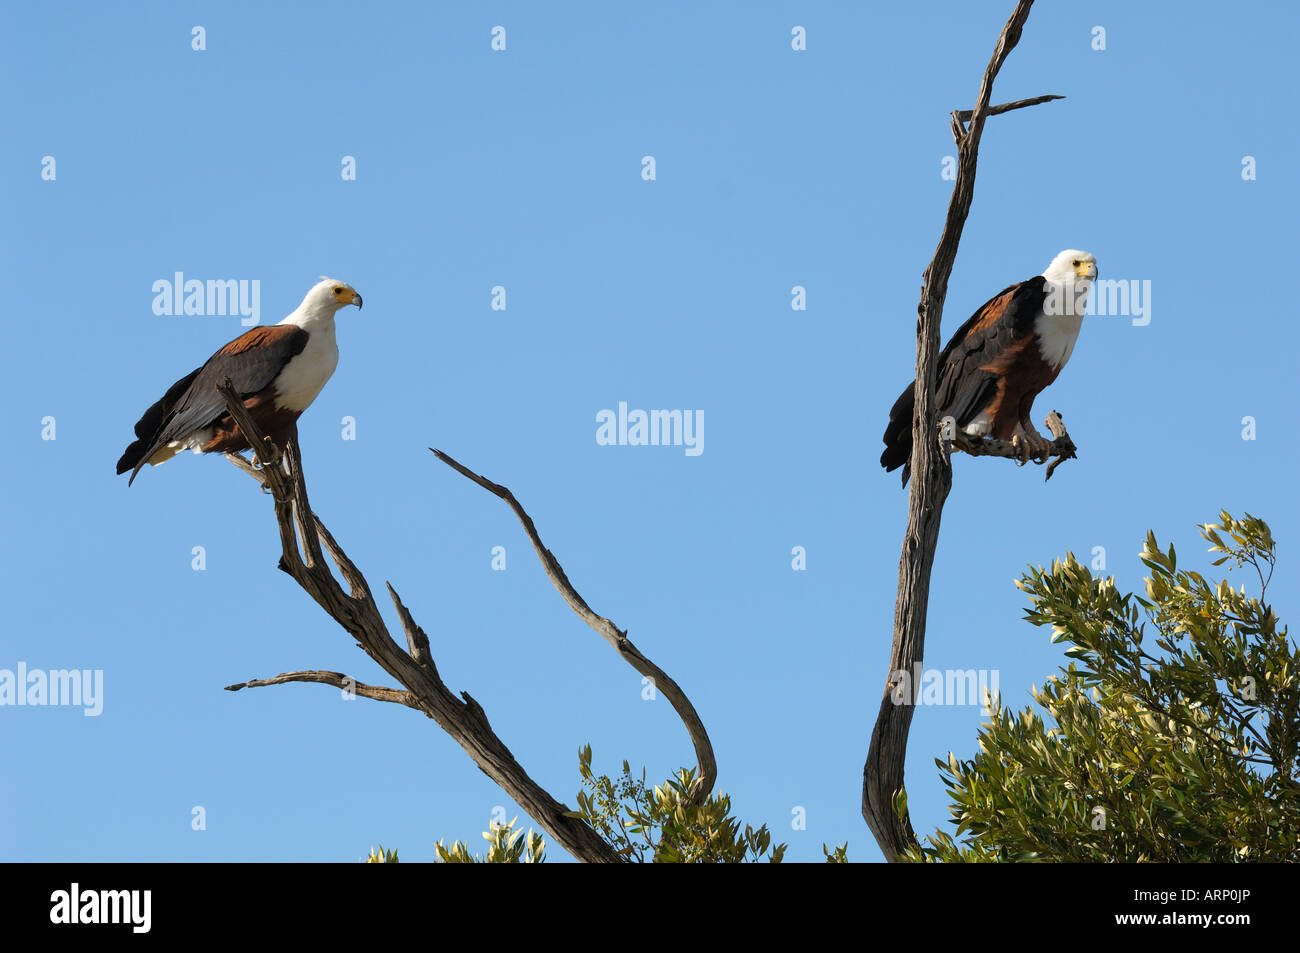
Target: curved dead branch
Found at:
280, 473
707, 767
883, 806
348, 684
1062, 448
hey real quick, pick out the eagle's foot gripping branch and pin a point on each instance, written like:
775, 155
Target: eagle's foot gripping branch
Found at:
256, 465
1031, 445
267, 456
1022, 448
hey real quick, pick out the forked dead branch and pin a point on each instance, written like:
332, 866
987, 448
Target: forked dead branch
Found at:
304, 539
883, 804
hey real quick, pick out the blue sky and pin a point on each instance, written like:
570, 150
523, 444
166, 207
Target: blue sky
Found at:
522, 168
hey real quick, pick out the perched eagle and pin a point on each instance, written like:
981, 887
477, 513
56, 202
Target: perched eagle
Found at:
276, 370
998, 361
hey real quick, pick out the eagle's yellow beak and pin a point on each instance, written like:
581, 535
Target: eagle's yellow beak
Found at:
346, 296
1086, 269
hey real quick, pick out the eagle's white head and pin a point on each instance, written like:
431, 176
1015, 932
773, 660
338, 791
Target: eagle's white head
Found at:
319, 305
331, 294
1072, 266
1069, 279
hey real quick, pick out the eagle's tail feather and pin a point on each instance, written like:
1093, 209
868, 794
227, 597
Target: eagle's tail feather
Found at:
149, 428
898, 435
132, 459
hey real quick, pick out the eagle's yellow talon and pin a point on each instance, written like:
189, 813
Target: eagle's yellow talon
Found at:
1031, 447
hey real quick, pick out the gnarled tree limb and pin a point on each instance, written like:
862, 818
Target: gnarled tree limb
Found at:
377, 692
1061, 449
882, 775
356, 611
962, 116
616, 637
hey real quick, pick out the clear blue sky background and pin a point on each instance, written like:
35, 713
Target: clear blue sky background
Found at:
775, 168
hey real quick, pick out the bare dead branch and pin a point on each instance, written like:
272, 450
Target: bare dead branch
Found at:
249, 468
357, 613
266, 466
417, 643
882, 775
337, 679
960, 116
303, 518
616, 637
1061, 449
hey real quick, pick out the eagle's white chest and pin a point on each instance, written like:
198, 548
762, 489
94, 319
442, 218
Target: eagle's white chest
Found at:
306, 373
1056, 336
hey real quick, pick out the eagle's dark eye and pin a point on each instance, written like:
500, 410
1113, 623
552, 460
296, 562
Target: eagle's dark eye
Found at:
339, 291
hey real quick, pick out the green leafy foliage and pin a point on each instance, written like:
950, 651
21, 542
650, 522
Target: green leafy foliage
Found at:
840, 855
643, 824
381, 856
506, 845
1173, 735
662, 825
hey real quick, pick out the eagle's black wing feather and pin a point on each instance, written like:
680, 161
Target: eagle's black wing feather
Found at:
147, 427
251, 361
961, 388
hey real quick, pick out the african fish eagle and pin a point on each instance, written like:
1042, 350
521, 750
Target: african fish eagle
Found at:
998, 361
276, 370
